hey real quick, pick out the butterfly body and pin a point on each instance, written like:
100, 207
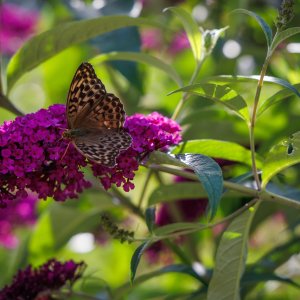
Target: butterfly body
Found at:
95, 119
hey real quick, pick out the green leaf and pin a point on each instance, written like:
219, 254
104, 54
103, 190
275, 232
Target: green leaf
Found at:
176, 191
47, 44
192, 30
136, 257
206, 169
150, 218
255, 278
281, 156
264, 26
183, 269
283, 35
217, 149
276, 98
159, 158
210, 38
220, 94
235, 79
142, 58
230, 259
175, 227
209, 174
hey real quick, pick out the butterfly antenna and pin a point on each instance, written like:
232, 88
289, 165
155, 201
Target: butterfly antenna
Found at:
65, 151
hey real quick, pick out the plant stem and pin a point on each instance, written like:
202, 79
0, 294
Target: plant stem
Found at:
201, 227
253, 121
262, 195
149, 174
185, 95
127, 203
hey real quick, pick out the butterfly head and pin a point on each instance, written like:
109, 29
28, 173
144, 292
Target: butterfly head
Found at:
69, 134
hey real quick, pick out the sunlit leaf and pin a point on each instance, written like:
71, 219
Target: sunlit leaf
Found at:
282, 155
236, 79
49, 43
142, 58
283, 35
220, 94
264, 26
192, 30
230, 259
276, 98
217, 149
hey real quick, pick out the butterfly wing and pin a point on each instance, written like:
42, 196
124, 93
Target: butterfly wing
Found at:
85, 90
103, 146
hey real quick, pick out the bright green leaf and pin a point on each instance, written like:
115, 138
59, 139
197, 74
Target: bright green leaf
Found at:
230, 259
192, 30
276, 98
264, 26
283, 35
142, 58
220, 94
236, 79
217, 149
283, 155
49, 43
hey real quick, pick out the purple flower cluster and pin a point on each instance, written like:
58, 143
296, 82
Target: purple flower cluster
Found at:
31, 283
148, 133
17, 213
17, 25
179, 43
31, 158
32, 155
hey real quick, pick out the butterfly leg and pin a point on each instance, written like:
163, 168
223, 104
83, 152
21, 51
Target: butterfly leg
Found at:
65, 151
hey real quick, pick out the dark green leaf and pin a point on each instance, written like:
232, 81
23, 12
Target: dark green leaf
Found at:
49, 43
192, 30
150, 218
220, 94
176, 191
209, 174
184, 269
136, 257
264, 26
251, 278
230, 259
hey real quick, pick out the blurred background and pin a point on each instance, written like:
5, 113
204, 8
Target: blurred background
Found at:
36, 230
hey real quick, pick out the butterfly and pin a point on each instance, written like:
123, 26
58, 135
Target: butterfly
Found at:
95, 118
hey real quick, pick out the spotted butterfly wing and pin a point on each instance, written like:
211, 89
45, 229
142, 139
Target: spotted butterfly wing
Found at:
95, 146
95, 118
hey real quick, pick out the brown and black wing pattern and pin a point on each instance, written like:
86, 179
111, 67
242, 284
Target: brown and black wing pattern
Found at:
104, 146
85, 92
